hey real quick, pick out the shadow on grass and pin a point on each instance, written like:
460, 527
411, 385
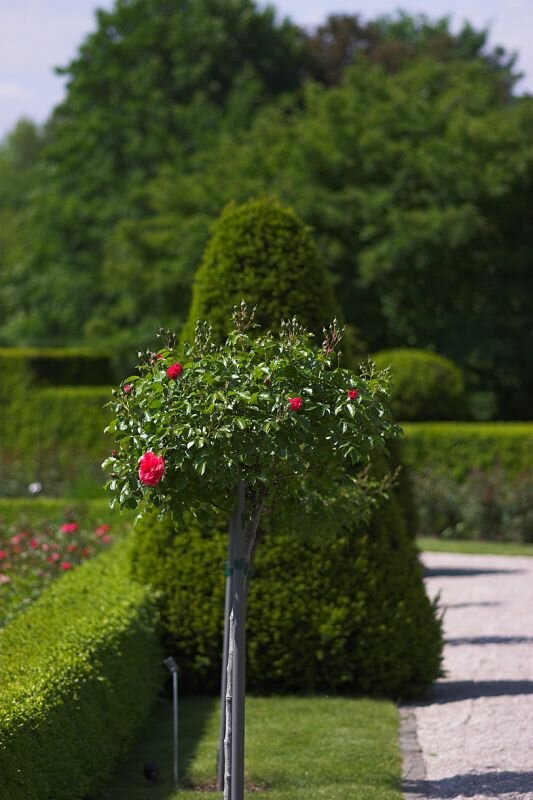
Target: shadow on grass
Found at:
155, 745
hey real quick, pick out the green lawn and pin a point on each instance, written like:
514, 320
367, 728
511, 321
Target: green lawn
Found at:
475, 547
298, 748
36, 510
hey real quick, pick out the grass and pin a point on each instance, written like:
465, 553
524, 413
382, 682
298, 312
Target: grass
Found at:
475, 547
37, 510
297, 748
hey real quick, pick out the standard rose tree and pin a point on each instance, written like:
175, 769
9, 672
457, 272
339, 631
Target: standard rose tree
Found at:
261, 420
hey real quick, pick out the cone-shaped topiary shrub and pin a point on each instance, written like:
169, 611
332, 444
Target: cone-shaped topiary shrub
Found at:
426, 386
337, 612
262, 253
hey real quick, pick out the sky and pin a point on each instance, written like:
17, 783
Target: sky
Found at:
37, 35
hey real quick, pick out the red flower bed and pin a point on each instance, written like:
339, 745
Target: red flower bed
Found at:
31, 557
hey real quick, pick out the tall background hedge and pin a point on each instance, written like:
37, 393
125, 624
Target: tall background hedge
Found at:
53, 419
342, 612
261, 252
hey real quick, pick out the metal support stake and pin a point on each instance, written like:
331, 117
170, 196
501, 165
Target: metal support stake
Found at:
239, 666
223, 682
174, 669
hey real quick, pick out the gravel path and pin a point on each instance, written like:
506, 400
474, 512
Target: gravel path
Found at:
475, 728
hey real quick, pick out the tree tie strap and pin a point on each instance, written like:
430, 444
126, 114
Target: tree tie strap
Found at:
238, 563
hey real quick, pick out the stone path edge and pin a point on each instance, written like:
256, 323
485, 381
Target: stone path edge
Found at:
413, 765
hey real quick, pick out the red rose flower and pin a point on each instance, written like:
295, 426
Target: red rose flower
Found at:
175, 370
353, 394
128, 388
4, 578
159, 356
106, 539
3, 554
53, 558
72, 548
69, 527
66, 565
151, 468
296, 403
101, 530
85, 552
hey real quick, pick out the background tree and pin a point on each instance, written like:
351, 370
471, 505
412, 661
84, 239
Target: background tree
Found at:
19, 175
394, 41
412, 164
153, 84
417, 185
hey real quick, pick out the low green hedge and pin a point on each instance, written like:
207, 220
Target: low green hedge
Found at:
36, 511
455, 449
489, 505
426, 386
55, 436
79, 671
335, 613
472, 480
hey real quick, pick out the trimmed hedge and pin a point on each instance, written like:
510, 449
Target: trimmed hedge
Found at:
472, 480
55, 436
456, 449
338, 613
79, 672
57, 510
261, 252
488, 504
426, 386
58, 366
52, 421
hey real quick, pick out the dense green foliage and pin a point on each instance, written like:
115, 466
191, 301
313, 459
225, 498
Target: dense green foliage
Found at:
55, 510
408, 155
472, 480
425, 386
418, 187
69, 668
489, 504
58, 366
262, 253
20, 152
53, 420
343, 611
271, 411
455, 449
394, 41
139, 97
55, 436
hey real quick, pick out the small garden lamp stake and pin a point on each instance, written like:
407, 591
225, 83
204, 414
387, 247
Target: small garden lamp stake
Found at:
260, 420
174, 669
